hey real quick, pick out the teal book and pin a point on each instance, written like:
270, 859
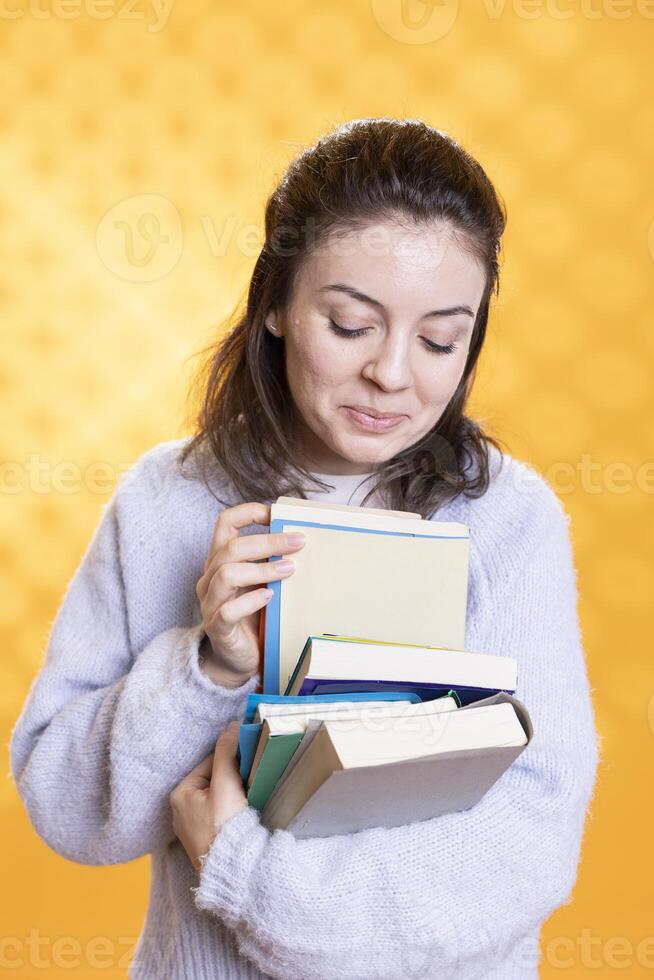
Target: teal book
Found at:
274, 759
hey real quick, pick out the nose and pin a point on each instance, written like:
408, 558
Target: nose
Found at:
390, 366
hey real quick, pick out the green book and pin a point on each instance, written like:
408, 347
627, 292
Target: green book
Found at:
275, 756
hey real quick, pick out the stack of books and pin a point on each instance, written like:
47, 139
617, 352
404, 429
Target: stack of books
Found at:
372, 711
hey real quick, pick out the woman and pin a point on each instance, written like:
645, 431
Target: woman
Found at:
370, 299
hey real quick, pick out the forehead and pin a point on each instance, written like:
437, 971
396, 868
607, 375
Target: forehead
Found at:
400, 265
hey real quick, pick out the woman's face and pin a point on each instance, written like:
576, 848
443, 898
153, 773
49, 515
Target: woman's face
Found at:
409, 291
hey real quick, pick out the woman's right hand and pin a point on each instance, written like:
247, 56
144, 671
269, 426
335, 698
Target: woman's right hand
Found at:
232, 590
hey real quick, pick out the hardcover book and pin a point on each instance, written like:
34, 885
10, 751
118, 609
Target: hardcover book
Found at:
366, 572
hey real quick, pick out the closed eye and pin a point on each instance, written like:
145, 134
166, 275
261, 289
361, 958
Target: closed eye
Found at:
429, 344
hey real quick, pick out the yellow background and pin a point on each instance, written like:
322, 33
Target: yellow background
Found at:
137, 153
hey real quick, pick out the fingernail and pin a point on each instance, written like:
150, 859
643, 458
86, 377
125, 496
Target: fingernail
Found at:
296, 538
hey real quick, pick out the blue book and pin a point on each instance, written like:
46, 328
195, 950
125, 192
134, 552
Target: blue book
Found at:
251, 730
386, 575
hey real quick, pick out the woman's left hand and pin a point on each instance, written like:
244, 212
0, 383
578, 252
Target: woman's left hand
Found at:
208, 797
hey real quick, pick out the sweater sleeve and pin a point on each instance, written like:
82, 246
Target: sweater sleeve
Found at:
454, 895
107, 731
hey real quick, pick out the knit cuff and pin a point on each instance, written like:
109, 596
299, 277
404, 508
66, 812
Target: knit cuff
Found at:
203, 694
226, 867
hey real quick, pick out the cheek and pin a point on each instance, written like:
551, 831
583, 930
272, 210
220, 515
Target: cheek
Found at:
319, 364
437, 382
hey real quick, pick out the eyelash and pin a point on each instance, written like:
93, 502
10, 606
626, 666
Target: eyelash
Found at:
431, 347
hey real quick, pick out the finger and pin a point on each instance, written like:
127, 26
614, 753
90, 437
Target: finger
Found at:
255, 547
248, 548
227, 579
232, 519
220, 623
200, 776
224, 756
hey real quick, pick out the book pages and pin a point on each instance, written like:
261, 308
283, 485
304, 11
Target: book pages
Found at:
385, 587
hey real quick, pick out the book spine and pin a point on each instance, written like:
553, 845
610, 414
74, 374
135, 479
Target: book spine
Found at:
254, 700
270, 673
262, 647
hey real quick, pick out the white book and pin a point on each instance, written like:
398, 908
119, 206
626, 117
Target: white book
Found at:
366, 572
349, 780
373, 716
331, 659
266, 709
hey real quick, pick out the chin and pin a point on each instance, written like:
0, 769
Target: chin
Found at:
364, 455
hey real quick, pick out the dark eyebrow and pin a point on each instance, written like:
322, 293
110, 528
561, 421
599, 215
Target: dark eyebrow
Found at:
342, 288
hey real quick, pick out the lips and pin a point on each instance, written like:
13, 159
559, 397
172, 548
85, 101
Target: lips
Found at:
372, 423
374, 413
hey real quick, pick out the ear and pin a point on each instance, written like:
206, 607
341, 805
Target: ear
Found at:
273, 324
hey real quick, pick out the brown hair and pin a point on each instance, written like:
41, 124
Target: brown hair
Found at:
362, 171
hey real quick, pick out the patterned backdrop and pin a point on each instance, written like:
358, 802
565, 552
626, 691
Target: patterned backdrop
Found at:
139, 141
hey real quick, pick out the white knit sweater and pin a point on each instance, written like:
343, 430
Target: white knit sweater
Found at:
120, 712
